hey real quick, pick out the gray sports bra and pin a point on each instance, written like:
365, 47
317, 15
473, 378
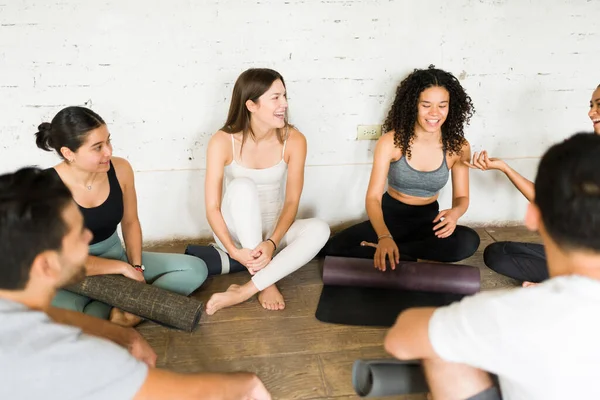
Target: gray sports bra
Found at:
407, 180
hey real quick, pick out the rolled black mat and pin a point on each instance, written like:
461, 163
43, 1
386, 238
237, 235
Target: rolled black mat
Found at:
217, 261
389, 377
355, 293
147, 301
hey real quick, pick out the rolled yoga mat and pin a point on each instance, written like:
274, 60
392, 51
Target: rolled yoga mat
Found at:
408, 275
217, 261
389, 377
147, 301
355, 293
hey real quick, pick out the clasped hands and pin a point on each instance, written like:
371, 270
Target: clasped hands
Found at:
255, 259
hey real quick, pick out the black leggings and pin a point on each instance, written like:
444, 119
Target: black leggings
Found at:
412, 229
521, 261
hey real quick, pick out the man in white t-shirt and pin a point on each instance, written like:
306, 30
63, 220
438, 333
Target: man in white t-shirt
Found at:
542, 342
44, 246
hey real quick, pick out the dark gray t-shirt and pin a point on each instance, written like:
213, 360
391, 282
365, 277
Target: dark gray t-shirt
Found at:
40, 359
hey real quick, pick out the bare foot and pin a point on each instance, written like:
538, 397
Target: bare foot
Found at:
271, 299
529, 284
235, 294
123, 318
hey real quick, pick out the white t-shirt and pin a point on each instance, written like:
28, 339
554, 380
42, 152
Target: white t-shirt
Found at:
543, 342
40, 359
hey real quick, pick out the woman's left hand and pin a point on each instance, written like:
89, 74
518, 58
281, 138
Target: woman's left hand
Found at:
262, 256
446, 226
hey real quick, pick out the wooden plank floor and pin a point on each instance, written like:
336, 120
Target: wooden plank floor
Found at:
297, 356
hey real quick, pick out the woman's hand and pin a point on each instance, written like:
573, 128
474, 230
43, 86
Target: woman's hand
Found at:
242, 256
263, 253
483, 162
386, 248
132, 273
447, 225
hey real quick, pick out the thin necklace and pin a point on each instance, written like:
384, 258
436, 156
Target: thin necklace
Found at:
89, 187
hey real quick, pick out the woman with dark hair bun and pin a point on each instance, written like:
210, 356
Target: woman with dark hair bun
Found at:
424, 143
103, 188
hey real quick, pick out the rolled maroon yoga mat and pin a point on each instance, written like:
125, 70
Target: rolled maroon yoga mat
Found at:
408, 275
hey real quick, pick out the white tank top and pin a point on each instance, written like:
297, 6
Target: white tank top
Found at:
269, 182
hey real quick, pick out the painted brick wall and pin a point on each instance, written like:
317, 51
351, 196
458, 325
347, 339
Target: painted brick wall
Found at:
161, 74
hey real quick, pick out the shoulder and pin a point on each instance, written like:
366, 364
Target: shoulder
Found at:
387, 139
466, 148
463, 154
499, 305
220, 140
385, 147
295, 137
121, 164
123, 169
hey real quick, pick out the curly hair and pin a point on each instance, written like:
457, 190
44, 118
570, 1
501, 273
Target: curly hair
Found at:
403, 114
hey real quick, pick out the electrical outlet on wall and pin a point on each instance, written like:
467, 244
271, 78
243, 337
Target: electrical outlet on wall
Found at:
368, 132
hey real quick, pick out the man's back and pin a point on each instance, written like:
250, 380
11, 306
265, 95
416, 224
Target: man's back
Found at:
43, 359
542, 342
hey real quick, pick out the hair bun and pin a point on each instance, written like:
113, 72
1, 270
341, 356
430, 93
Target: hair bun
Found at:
45, 126
42, 136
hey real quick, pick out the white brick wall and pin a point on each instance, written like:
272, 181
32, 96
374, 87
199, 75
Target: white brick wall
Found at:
161, 74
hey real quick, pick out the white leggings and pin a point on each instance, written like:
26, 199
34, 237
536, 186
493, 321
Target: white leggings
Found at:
248, 227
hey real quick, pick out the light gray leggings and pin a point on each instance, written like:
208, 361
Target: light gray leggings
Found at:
178, 273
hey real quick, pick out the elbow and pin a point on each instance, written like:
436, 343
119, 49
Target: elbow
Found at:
130, 223
399, 341
211, 210
393, 346
372, 201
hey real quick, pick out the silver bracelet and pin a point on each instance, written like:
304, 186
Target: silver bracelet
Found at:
387, 235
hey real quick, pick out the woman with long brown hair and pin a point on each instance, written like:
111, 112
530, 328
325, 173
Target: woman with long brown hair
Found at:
261, 158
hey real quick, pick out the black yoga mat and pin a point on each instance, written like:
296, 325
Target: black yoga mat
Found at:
147, 301
388, 377
217, 261
355, 293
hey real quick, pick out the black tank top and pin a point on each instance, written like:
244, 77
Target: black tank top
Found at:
103, 220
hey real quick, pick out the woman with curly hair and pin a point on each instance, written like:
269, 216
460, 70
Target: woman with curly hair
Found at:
425, 141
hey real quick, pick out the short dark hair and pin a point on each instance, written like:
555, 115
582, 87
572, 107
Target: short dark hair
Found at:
31, 221
567, 192
68, 128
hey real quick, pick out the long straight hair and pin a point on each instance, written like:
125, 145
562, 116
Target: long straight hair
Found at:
250, 85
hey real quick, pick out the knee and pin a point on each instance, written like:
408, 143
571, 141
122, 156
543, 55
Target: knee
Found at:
493, 255
70, 301
319, 230
195, 269
469, 243
241, 187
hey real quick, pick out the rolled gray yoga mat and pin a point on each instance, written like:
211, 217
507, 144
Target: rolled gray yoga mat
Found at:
147, 301
388, 377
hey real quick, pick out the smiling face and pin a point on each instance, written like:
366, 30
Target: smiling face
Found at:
594, 113
432, 109
95, 153
270, 109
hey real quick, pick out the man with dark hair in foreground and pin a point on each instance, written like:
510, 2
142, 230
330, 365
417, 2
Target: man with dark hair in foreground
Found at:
542, 342
44, 245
